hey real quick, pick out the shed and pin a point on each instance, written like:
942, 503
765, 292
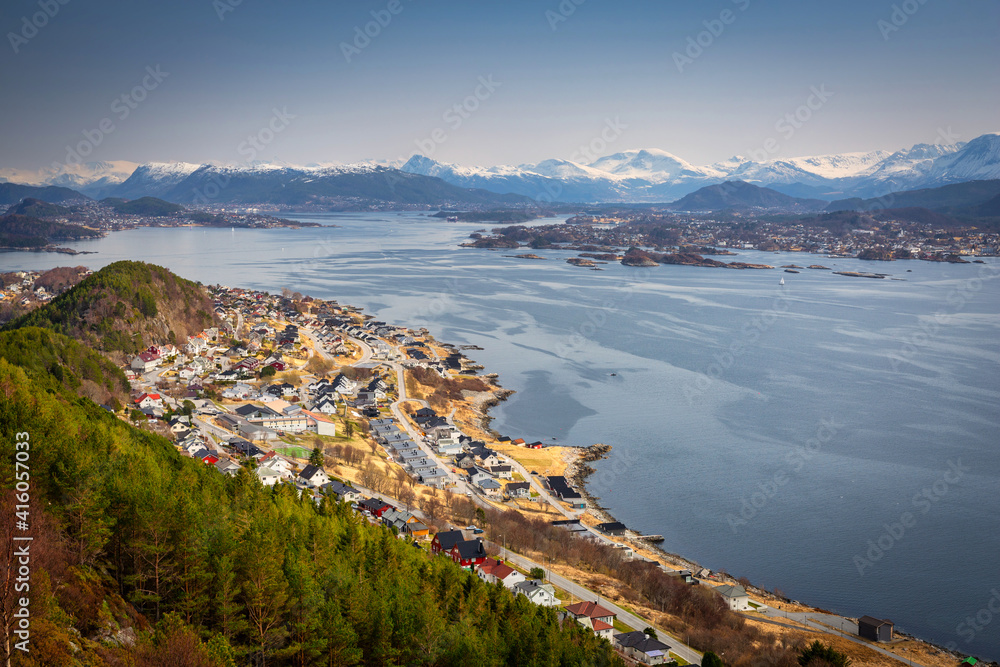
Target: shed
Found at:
875, 629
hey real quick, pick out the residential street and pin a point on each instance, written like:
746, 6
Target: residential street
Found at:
685, 652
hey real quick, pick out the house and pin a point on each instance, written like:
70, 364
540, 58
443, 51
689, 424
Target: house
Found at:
490, 487
227, 467
278, 463
518, 490
375, 507
465, 461
875, 629
267, 476
565, 492
145, 362
394, 518
595, 617
417, 530
683, 575
342, 491
468, 553
326, 405
502, 472
736, 597
477, 475
443, 542
541, 594
314, 476
493, 571
149, 401
640, 646
612, 528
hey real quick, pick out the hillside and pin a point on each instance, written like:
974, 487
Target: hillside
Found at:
124, 308
42, 353
11, 193
955, 198
142, 557
22, 231
36, 208
149, 206
334, 187
741, 195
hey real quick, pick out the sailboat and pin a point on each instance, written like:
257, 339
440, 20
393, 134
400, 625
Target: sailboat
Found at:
782, 281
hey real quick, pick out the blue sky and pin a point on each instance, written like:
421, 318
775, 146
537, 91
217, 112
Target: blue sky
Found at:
559, 71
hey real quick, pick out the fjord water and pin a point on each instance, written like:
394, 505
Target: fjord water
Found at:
836, 438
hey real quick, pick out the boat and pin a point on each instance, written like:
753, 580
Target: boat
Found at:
782, 281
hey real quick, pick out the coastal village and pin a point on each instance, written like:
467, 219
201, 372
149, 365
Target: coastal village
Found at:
849, 235
345, 408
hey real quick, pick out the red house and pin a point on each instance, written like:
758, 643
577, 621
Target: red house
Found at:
375, 507
468, 553
278, 365
443, 542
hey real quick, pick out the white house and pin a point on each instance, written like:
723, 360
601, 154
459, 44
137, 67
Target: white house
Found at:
149, 401
541, 594
736, 597
595, 617
145, 362
267, 476
314, 476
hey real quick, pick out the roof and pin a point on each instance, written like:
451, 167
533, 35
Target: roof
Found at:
310, 470
611, 526
640, 641
600, 625
731, 591
589, 609
871, 620
374, 504
449, 538
469, 549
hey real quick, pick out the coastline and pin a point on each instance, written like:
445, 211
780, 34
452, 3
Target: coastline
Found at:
577, 471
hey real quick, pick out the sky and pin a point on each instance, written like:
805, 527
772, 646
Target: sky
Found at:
490, 82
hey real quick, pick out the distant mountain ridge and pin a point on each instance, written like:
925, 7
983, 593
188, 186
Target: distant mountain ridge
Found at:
631, 176
741, 195
298, 186
647, 175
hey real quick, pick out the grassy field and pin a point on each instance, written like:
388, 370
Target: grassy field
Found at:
294, 451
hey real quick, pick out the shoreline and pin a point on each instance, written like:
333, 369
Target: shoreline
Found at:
577, 471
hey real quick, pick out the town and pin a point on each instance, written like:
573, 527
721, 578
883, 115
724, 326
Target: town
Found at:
345, 408
840, 234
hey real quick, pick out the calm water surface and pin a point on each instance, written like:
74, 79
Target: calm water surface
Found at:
835, 438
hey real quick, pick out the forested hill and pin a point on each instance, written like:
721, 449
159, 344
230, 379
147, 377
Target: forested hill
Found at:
125, 307
143, 557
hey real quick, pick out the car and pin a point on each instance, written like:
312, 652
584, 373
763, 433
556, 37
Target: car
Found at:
475, 529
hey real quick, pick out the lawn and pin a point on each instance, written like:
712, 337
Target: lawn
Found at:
294, 451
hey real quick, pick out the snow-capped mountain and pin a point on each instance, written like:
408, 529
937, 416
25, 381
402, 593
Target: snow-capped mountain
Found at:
91, 178
647, 175
154, 179
284, 185
641, 175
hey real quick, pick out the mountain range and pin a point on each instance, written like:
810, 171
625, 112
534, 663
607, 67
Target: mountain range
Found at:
648, 175
632, 176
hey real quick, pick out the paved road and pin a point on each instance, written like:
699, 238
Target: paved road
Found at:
629, 619
537, 486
